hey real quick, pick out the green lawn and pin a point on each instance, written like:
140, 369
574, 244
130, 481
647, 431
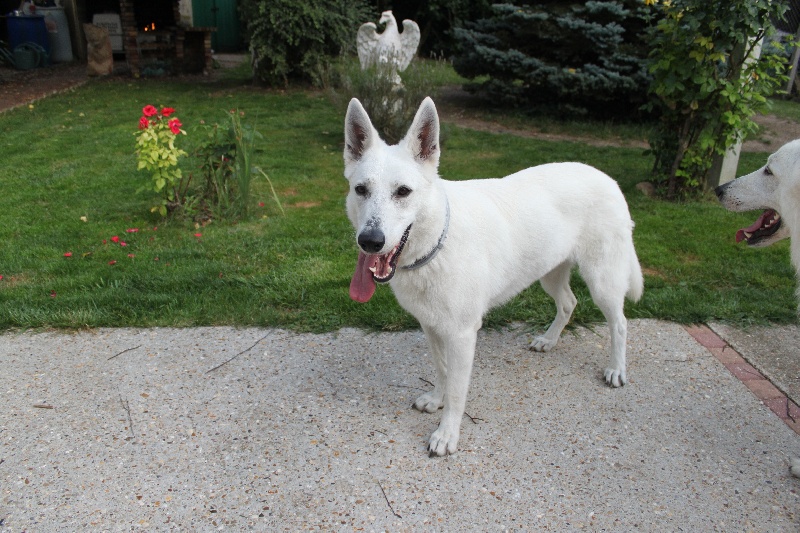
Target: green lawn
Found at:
786, 109
71, 157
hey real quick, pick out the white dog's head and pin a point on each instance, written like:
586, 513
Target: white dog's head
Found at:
388, 188
774, 188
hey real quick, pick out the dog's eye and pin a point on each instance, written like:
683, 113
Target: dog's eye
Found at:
402, 192
361, 190
767, 171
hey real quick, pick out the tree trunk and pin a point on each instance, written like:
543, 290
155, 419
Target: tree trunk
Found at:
683, 145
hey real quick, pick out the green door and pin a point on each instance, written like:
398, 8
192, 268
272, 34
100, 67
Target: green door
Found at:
223, 15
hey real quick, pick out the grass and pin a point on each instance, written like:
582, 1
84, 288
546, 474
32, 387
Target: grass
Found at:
787, 109
71, 156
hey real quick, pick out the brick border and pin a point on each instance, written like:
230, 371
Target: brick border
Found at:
761, 387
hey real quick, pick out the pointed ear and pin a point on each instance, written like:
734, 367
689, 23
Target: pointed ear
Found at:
358, 132
422, 138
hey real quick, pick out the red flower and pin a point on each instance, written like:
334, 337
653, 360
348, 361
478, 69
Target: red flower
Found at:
123, 243
68, 254
149, 111
167, 111
114, 239
131, 256
52, 294
132, 230
198, 234
112, 262
175, 126
143, 123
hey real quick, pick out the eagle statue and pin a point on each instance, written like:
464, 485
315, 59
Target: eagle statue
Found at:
387, 47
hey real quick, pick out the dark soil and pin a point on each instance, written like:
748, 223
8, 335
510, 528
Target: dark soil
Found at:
23, 87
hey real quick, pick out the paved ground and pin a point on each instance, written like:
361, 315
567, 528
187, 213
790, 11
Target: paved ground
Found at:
119, 429
773, 350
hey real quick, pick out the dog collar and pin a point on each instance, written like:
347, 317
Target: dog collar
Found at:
424, 260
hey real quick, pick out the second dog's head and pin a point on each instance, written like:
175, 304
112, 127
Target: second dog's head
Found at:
389, 186
775, 189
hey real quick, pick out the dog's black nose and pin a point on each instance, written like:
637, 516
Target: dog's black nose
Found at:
720, 191
371, 240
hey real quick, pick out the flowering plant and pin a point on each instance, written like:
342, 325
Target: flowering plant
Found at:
157, 154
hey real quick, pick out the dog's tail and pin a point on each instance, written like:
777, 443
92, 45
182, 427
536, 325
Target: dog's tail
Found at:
636, 281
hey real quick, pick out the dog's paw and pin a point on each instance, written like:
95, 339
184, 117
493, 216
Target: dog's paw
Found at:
794, 466
430, 402
542, 344
443, 442
615, 377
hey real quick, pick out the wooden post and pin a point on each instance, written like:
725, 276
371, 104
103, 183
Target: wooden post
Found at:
793, 70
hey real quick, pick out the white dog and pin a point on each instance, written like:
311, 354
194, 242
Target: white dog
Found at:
453, 250
775, 188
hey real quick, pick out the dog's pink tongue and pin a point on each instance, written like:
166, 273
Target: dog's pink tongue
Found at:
740, 235
755, 227
362, 286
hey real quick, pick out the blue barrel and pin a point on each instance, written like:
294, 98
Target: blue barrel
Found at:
28, 29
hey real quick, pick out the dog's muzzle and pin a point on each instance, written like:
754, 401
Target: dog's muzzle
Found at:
372, 268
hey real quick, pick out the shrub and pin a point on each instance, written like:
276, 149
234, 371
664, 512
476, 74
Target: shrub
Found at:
290, 39
390, 107
157, 154
705, 89
225, 157
572, 56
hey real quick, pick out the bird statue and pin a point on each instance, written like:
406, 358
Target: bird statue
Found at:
390, 47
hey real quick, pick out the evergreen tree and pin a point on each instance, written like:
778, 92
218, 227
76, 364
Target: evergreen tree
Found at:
585, 57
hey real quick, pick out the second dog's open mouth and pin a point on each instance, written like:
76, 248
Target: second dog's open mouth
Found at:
375, 268
766, 225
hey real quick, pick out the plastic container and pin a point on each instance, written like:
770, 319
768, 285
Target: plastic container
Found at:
58, 32
28, 28
26, 58
29, 55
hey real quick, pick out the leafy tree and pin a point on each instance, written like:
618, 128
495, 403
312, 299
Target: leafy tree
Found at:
707, 83
292, 38
575, 56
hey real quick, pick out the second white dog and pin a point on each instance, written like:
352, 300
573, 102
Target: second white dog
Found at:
775, 189
453, 250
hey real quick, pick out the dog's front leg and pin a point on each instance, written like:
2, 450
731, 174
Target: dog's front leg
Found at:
432, 401
459, 352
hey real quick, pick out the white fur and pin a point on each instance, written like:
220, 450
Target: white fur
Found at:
794, 466
775, 186
504, 234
